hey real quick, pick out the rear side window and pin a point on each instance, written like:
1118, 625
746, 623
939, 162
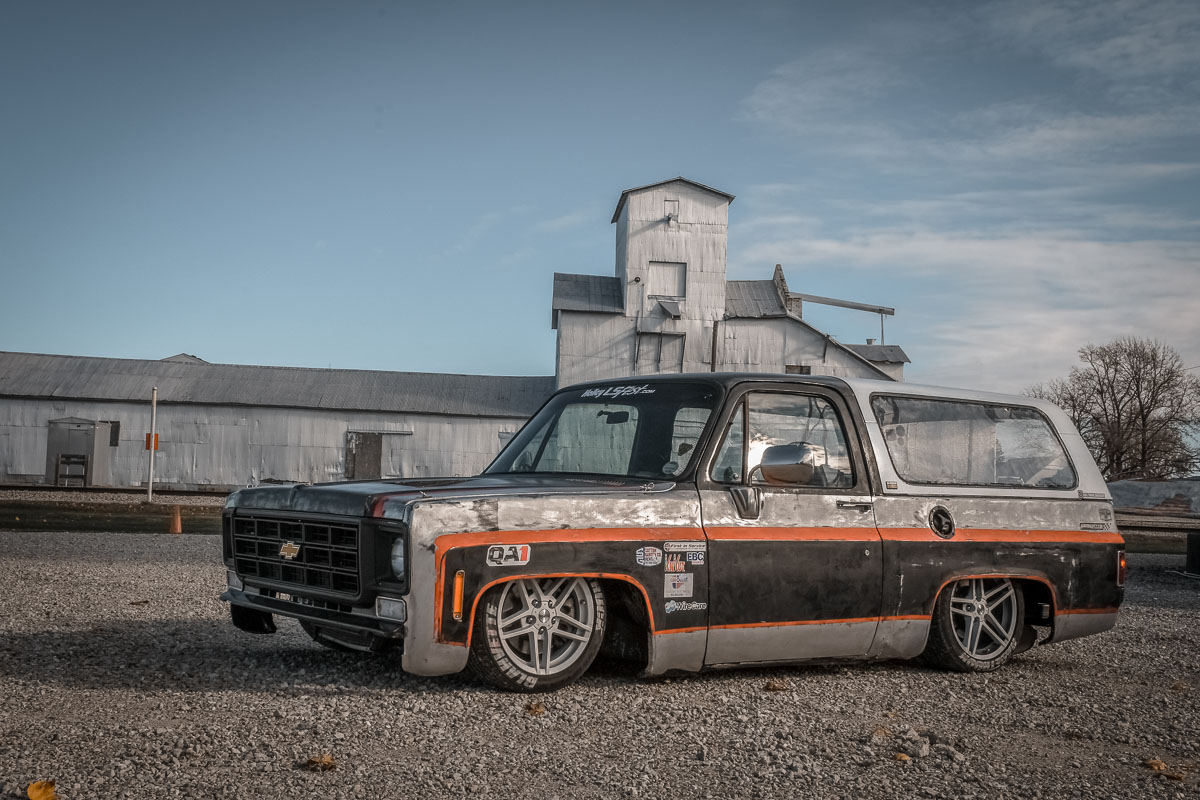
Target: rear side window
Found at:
960, 443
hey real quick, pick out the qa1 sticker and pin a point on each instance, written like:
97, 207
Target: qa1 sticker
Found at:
508, 555
649, 556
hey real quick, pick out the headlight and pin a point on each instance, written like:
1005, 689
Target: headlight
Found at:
398, 564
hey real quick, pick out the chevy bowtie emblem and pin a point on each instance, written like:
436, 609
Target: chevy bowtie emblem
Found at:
289, 550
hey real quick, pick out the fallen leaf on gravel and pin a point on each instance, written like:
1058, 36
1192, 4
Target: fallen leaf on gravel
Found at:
1180, 686
535, 709
1155, 764
1175, 776
138, 602
903, 757
892, 714
776, 686
879, 732
41, 790
321, 763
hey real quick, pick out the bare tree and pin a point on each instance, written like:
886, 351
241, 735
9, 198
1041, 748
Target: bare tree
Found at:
1136, 406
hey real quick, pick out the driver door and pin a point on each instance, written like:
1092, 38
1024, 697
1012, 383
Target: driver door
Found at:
795, 563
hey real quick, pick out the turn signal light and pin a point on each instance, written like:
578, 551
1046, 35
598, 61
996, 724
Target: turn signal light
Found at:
458, 594
1120, 568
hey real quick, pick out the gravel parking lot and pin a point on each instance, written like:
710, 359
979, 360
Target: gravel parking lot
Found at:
120, 676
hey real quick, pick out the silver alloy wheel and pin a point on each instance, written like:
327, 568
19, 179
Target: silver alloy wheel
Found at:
983, 612
545, 624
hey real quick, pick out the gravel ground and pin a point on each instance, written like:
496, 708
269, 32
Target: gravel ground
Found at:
120, 676
75, 496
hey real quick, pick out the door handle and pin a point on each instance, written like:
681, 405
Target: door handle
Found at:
863, 507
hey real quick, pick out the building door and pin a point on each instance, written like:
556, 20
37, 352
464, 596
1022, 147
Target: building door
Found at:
795, 563
364, 455
69, 446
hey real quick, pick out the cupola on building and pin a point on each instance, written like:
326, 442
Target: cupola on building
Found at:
669, 308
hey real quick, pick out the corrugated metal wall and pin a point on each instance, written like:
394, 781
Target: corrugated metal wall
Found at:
222, 446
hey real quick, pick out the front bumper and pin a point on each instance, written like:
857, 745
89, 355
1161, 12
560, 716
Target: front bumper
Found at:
362, 622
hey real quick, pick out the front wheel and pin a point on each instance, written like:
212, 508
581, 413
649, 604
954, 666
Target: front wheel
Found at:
537, 634
976, 625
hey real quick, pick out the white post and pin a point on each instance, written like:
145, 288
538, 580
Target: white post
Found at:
153, 431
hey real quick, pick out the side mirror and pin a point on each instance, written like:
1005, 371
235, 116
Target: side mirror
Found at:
786, 465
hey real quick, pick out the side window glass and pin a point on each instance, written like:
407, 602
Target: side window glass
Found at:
797, 440
728, 466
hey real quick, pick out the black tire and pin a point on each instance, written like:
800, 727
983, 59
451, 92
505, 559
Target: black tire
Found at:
958, 614
499, 661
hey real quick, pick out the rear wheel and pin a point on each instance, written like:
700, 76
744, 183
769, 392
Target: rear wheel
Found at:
537, 634
976, 625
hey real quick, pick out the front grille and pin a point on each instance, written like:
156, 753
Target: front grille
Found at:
326, 561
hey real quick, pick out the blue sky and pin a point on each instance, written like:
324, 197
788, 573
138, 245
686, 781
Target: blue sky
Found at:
391, 186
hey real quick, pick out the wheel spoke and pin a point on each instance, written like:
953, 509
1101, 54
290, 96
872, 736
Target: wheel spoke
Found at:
534, 656
1005, 590
517, 616
547, 642
564, 616
954, 610
995, 630
552, 592
516, 632
579, 637
973, 636
525, 592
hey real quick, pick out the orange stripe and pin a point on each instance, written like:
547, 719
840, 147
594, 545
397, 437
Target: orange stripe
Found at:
829, 534
681, 630
999, 535
1088, 611
921, 617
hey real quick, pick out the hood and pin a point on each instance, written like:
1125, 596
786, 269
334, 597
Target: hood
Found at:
367, 498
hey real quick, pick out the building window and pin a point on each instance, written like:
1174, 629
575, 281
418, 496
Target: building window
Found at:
659, 353
672, 210
798, 369
114, 433
667, 279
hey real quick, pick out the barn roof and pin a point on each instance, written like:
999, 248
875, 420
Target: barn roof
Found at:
753, 299
37, 375
600, 293
881, 353
625, 194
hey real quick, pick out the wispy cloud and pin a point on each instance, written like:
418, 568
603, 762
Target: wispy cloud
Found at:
1006, 310
1123, 40
565, 222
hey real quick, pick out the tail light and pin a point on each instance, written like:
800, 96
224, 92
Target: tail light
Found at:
1120, 568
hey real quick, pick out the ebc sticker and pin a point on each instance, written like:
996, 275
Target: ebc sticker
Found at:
684, 547
649, 556
508, 555
675, 563
677, 585
617, 391
695, 557
684, 605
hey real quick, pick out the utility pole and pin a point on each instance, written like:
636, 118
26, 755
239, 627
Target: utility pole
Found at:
151, 443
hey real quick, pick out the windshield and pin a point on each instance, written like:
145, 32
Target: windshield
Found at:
647, 430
